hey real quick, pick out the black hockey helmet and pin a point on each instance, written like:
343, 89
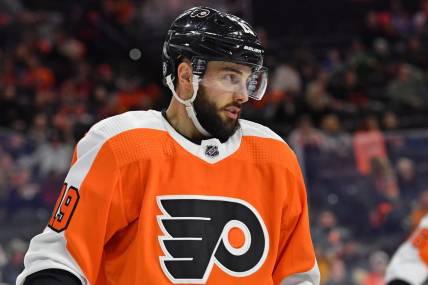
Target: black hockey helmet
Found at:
202, 34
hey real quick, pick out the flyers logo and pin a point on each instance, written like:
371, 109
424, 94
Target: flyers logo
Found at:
198, 233
200, 13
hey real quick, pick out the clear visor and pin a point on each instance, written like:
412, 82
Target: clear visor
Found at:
247, 81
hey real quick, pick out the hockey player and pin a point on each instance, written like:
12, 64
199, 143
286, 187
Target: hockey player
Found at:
190, 195
409, 265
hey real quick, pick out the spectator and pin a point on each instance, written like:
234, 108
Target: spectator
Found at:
390, 121
329, 235
336, 140
317, 101
369, 144
408, 88
40, 127
378, 261
13, 113
408, 181
421, 17
303, 137
286, 79
338, 274
361, 61
16, 251
334, 63
52, 157
415, 53
346, 88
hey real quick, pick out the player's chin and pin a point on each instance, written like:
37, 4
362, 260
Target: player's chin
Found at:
230, 124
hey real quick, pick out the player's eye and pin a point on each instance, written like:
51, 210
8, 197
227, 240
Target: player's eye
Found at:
231, 78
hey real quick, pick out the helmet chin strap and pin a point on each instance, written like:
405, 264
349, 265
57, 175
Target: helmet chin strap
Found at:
189, 103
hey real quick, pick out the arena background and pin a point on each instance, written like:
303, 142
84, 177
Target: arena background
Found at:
348, 91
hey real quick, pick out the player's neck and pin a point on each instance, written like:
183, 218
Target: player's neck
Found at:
180, 121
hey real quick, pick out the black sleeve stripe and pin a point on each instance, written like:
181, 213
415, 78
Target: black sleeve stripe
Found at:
52, 277
398, 282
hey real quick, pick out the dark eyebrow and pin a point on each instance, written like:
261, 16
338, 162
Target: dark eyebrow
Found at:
228, 68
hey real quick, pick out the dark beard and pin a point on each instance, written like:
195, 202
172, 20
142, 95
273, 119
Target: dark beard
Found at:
208, 117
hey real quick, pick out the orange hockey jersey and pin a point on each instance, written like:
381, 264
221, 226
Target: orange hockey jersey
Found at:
410, 262
141, 204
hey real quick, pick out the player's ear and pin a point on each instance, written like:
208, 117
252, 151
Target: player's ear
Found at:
184, 77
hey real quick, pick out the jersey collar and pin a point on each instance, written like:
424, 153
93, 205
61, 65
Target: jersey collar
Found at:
209, 150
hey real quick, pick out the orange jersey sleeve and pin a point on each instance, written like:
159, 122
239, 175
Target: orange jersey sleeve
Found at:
88, 212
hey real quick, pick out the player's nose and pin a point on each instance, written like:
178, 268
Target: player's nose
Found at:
241, 96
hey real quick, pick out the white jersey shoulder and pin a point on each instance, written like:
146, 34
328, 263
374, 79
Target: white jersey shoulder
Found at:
254, 129
250, 128
114, 125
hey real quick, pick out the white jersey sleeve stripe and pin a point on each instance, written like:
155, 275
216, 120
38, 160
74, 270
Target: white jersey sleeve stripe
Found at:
311, 277
407, 265
48, 249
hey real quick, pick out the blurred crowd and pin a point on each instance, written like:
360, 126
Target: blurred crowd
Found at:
349, 111
367, 191
381, 72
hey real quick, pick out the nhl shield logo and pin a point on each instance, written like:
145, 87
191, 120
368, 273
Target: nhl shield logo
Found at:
211, 151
